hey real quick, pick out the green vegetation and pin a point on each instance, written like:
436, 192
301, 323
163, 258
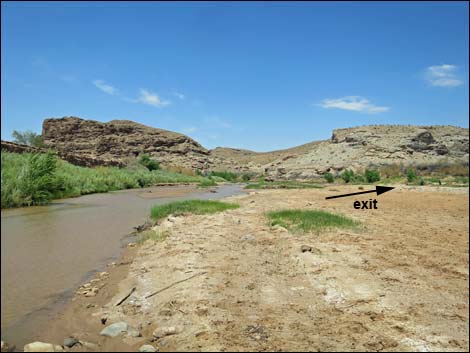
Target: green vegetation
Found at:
30, 181
442, 173
329, 177
347, 175
305, 221
410, 175
149, 163
207, 183
153, 235
28, 137
228, 176
289, 184
372, 175
190, 206
35, 179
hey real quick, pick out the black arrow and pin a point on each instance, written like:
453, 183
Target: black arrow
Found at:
378, 189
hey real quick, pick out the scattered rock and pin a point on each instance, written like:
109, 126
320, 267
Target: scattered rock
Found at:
257, 332
114, 330
279, 228
7, 348
308, 248
305, 248
90, 292
248, 237
133, 332
42, 347
147, 348
70, 342
251, 286
88, 345
166, 331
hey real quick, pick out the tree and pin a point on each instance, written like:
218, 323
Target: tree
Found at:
28, 137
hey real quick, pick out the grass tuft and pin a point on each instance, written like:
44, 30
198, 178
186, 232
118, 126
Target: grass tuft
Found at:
283, 185
153, 235
190, 206
305, 221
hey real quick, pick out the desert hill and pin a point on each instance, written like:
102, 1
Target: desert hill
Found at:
355, 148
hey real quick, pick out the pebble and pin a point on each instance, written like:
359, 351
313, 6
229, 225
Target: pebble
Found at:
70, 342
308, 248
114, 330
248, 237
7, 348
89, 345
147, 348
133, 332
42, 347
91, 292
166, 331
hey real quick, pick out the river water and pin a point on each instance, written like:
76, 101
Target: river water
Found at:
48, 251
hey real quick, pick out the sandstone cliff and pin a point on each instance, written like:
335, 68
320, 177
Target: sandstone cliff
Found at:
120, 139
354, 148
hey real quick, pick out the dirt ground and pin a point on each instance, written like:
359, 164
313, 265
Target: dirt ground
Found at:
397, 283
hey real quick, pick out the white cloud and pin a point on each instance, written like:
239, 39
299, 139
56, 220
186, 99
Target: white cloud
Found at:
355, 103
106, 88
443, 75
151, 98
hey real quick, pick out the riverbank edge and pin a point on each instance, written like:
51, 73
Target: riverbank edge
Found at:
76, 318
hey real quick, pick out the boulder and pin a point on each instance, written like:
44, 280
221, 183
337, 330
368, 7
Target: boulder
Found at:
42, 347
114, 330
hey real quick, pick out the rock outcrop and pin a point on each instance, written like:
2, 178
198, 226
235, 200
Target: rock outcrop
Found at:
378, 145
355, 148
74, 158
121, 139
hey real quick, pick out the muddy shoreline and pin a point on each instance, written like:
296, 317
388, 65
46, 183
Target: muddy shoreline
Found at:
399, 283
45, 228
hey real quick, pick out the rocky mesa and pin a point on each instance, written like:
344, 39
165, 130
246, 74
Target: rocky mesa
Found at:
120, 139
355, 148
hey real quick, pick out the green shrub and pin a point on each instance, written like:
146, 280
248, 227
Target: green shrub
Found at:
372, 175
28, 137
32, 179
411, 175
149, 163
207, 183
347, 176
329, 177
228, 176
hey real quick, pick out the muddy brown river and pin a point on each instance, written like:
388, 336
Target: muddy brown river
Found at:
48, 251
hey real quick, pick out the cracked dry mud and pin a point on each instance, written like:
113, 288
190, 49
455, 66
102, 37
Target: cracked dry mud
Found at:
397, 283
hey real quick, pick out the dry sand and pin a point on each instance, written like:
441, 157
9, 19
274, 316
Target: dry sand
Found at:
397, 283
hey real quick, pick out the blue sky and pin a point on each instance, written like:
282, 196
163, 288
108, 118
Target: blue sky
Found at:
260, 76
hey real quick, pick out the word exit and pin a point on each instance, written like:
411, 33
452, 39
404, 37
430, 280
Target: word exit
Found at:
366, 205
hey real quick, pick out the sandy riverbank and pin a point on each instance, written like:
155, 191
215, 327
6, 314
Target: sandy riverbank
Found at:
398, 283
